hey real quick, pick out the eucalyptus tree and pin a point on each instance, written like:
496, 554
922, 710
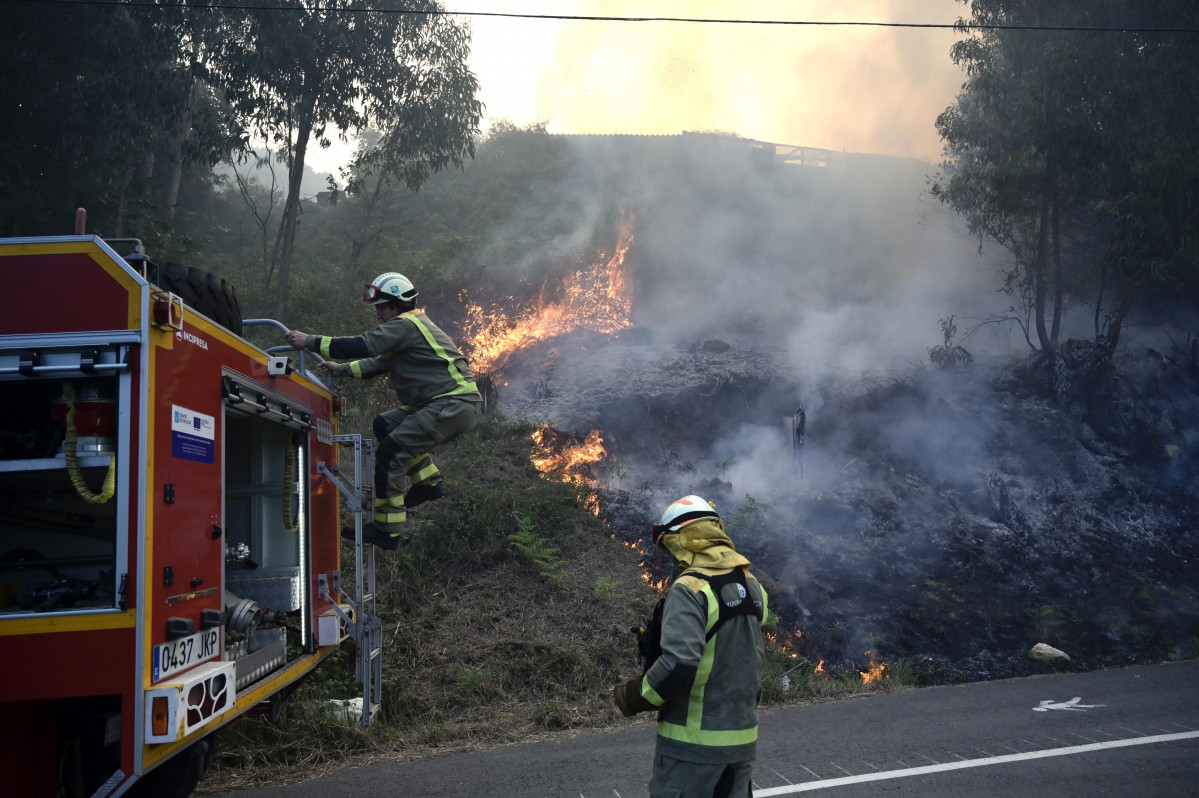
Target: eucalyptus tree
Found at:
1079, 120
305, 71
1023, 138
1150, 201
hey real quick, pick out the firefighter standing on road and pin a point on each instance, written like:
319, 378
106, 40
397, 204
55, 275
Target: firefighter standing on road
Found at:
707, 681
434, 384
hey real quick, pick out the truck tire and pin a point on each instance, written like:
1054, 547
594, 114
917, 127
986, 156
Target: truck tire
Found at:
203, 291
178, 776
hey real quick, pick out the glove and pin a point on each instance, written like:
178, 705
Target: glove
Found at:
629, 699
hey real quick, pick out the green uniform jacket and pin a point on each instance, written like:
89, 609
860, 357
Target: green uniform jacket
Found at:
707, 692
420, 358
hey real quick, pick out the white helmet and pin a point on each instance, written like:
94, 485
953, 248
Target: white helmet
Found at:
387, 287
683, 512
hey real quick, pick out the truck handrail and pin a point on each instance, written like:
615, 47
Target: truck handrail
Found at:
304, 354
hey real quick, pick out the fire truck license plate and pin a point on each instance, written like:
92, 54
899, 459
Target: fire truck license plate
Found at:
181, 654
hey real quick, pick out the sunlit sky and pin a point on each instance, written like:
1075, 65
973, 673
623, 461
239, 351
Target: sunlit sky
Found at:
839, 87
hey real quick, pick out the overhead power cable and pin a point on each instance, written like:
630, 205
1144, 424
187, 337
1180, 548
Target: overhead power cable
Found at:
967, 26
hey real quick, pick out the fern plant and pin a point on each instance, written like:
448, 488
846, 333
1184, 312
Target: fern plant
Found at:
535, 549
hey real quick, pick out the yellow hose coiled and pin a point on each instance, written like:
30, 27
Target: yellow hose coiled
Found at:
110, 481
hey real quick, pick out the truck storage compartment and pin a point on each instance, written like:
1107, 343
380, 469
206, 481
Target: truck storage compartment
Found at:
266, 543
61, 502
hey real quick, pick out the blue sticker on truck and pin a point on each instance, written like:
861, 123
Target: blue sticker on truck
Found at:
193, 435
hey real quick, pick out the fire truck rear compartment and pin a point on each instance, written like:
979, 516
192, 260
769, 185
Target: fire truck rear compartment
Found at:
58, 551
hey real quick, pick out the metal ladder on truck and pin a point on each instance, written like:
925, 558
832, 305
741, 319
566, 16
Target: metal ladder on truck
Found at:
365, 626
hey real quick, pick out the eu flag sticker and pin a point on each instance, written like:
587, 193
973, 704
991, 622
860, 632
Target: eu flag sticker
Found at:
193, 435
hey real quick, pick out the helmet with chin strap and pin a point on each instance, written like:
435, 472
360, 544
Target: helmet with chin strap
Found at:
389, 287
682, 512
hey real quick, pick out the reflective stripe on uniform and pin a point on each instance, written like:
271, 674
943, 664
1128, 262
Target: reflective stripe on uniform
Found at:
421, 469
713, 737
463, 385
356, 369
323, 346
390, 510
650, 694
391, 515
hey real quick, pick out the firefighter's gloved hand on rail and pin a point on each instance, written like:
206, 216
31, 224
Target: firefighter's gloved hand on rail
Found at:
296, 339
332, 368
629, 699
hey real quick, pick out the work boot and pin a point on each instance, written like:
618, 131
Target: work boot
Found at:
372, 534
419, 494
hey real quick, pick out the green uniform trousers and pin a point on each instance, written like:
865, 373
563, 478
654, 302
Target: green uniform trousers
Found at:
674, 778
406, 434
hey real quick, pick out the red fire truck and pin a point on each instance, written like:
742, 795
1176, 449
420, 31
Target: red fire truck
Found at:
169, 530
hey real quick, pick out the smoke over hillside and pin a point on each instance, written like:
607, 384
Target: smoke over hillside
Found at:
775, 360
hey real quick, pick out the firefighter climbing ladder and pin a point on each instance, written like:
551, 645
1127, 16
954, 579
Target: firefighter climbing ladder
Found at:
365, 626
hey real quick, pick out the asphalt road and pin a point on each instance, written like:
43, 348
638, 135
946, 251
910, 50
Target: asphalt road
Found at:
1124, 732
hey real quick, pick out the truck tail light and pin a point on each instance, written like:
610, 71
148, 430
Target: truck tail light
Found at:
160, 713
166, 310
166, 314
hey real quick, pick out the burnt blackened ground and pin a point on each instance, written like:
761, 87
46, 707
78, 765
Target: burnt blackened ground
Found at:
945, 521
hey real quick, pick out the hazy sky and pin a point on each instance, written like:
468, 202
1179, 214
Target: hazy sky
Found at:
859, 89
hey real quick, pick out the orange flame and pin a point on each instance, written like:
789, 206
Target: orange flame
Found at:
657, 584
819, 668
568, 462
874, 672
787, 644
596, 298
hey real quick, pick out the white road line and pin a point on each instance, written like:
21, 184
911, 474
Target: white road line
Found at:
974, 763
814, 773
780, 775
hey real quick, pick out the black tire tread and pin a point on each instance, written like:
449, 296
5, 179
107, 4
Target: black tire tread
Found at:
204, 292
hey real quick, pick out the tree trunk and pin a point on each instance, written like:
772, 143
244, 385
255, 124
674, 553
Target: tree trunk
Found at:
1040, 278
291, 211
182, 134
1125, 304
362, 237
1059, 288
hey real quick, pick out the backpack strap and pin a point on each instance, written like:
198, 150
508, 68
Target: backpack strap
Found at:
746, 606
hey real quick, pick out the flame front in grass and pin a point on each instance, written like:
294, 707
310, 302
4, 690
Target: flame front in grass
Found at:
561, 456
874, 672
596, 298
657, 584
786, 644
